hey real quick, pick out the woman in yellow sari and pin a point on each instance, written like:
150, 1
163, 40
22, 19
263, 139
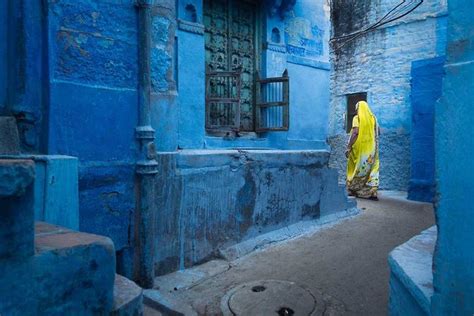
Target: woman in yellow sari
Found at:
363, 154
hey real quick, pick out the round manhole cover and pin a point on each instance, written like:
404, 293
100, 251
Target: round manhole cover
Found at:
271, 297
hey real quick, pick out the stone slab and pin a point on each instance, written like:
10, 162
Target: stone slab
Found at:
71, 273
167, 304
128, 298
411, 272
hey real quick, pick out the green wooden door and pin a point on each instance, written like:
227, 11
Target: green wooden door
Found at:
230, 37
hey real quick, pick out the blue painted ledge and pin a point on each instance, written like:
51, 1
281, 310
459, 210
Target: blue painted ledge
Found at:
411, 275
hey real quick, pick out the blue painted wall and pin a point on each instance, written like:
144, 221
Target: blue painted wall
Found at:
3, 54
74, 91
302, 49
22, 89
426, 82
454, 125
164, 103
93, 107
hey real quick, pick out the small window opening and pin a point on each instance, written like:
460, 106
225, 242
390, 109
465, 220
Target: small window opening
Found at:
276, 38
352, 100
190, 14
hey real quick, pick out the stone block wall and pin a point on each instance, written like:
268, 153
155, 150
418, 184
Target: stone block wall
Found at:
379, 63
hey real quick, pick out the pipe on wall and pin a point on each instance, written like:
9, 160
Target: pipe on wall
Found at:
146, 165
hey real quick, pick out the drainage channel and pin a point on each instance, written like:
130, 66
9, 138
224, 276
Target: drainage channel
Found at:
272, 297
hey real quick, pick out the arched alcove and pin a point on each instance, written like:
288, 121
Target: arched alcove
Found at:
190, 13
276, 37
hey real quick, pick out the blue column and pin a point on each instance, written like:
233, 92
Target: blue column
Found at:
454, 144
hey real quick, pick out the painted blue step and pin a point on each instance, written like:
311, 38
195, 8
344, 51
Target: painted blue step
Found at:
71, 273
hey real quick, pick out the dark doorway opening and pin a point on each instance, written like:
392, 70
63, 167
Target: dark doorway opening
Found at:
352, 100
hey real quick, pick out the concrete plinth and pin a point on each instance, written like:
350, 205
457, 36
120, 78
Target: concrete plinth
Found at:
213, 199
411, 278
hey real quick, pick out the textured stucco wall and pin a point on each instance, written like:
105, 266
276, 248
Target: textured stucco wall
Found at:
211, 199
303, 50
3, 54
164, 103
454, 127
93, 107
379, 63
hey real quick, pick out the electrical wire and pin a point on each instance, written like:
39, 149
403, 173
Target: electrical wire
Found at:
395, 14
399, 11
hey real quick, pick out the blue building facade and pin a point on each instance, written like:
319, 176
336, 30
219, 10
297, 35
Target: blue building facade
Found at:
121, 85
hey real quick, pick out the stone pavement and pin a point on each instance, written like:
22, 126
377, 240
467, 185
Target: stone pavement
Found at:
343, 266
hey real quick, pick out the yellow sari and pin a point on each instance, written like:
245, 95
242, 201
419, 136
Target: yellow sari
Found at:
363, 162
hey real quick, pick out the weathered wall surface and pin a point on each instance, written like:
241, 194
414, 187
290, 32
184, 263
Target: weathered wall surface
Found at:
213, 199
453, 273
164, 103
23, 84
427, 79
93, 107
303, 50
379, 63
3, 54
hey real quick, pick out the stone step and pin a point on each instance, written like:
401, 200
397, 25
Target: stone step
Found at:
411, 277
128, 298
71, 273
16, 208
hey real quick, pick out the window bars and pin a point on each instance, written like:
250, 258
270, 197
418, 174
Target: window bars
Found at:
272, 103
223, 101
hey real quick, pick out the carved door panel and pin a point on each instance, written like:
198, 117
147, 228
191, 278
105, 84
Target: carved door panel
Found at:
230, 34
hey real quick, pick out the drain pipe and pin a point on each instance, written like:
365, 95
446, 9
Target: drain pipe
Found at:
146, 165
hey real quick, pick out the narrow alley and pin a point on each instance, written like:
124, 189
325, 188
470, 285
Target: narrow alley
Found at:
344, 264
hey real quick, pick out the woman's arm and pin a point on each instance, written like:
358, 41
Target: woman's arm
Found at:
352, 140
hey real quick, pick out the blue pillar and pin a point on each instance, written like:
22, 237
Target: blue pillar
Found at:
454, 143
426, 88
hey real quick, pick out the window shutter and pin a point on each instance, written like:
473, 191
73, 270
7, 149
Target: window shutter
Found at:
272, 103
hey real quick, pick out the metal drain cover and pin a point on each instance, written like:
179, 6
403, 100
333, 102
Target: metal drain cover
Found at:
271, 297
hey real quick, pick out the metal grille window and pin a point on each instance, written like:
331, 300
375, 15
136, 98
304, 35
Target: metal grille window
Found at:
272, 103
223, 101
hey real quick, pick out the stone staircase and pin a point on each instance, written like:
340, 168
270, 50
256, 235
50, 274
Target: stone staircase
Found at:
51, 270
